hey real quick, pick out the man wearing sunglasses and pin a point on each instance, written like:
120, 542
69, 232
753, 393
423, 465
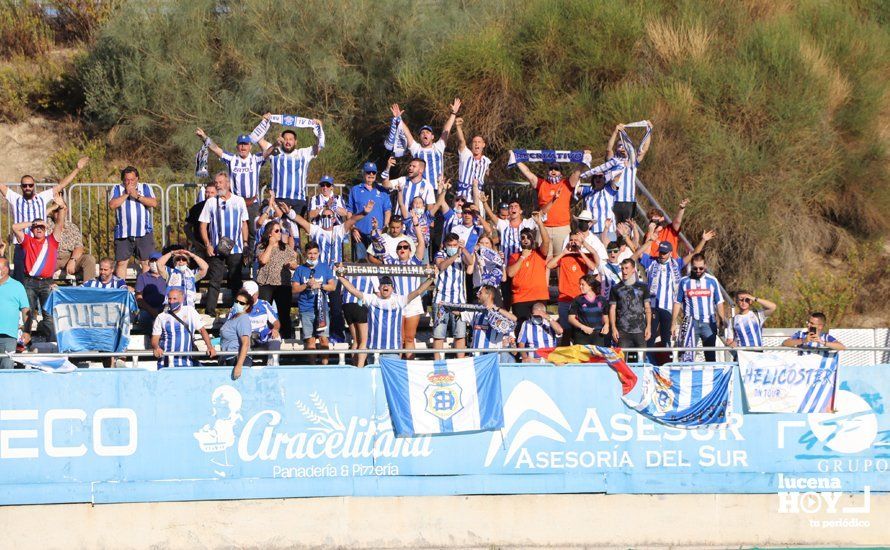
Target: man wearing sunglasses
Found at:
359, 197
698, 297
40, 263
29, 205
132, 203
327, 208
747, 323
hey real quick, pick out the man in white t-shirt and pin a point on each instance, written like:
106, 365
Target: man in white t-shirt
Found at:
391, 239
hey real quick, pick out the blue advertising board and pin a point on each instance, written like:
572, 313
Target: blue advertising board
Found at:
194, 434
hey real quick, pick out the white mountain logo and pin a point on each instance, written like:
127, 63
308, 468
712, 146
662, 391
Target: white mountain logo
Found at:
526, 396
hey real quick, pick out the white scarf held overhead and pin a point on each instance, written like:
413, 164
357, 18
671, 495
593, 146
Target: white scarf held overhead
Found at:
201, 161
300, 122
396, 141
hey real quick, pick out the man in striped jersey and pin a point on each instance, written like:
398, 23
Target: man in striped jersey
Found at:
540, 331
454, 262
395, 234
173, 331
473, 164
815, 338
698, 297
486, 334
28, 206
330, 238
133, 233
385, 310
431, 153
412, 184
747, 324
325, 200
40, 253
290, 168
663, 273
244, 173
223, 216
599, 200
626, 201
355, 313
106, 278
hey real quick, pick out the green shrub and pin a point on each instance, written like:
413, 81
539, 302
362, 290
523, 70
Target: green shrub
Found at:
23, 30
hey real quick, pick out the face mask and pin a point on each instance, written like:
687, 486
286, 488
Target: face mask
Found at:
554, 179
451, 250
312, 263
153, 267
175, 307
181, 267
538, 320
419, 211
458, 210
583, 226
237, 308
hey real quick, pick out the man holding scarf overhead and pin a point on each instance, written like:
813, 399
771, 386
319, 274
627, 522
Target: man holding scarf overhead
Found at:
290, 165
555, 189
630, 158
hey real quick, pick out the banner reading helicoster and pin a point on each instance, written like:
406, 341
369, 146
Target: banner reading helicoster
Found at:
784, 383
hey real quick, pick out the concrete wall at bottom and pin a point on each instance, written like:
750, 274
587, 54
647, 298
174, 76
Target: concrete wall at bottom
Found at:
525, 521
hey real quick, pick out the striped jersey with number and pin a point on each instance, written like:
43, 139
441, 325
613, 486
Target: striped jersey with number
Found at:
484, 334
536, 336
225, 216
244, 173
363, 283
600, 204
133, 219
699, 297
748, 328
451, 282
468, 169
384, 320
289, 172
433, 156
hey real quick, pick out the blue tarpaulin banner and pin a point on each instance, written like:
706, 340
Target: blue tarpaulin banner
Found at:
91, 319
105, 435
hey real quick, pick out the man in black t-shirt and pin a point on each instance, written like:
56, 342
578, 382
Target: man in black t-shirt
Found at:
629, 311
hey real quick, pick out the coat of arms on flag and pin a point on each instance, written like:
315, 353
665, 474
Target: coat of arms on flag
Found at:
450, 396
685, 396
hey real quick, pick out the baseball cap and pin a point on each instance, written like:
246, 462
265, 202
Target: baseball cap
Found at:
154, 256
369, 167
244, 138
426, 127
584, 216
250, 287
503, 206
385, 280
664, 247
326, 180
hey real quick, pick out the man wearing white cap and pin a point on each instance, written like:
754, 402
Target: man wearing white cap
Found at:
264, 323
582, 222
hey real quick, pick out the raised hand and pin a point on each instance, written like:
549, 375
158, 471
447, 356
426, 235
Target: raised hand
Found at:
370, 208
82, 162
459, 121
200, 133
684, 203
390, 162
708, 235
455, 105
396, 111
267, 116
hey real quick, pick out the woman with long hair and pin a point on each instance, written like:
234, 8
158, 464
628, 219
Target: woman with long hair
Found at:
276, 260
589, 314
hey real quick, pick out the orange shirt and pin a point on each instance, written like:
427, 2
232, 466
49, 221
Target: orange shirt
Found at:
667, 233
530, 283
571, 269
560, 214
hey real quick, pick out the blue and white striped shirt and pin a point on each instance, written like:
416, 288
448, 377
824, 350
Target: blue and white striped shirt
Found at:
384, 320
451, 282
115, 282
748, 328
433, 156
228, 214
600, 204
510, 235
318, 202
816, 347
663, 279
175, 337
244, 173
537, 336
484, 334
24, 210
330, 243
289, 172
468, 169
404, 285
184, 281
133, 218
362, 283
410, 189
627, 184
699, 297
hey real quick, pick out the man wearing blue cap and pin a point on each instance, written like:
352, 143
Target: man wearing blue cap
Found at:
326, 200
426, 150
244, 175
360, 196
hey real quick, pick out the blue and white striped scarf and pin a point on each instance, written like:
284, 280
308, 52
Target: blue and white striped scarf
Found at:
547, 156
201, 160
259, 132
396, 141
628, 143
608, 169
298, 122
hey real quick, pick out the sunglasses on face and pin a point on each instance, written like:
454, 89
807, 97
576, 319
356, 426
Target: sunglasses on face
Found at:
403, 247
371, 173
276, 231
242, 302
745, 300
27, 185
36, 227
698, 269
613, 251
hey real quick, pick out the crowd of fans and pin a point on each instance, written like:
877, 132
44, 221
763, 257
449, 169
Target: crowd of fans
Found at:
490, 266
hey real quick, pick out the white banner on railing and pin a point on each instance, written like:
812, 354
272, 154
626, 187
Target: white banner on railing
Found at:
775, 383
